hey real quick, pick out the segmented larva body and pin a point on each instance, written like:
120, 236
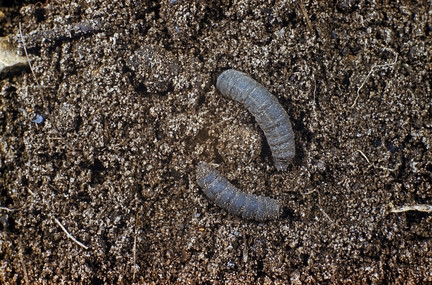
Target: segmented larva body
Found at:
268, 112
219, 190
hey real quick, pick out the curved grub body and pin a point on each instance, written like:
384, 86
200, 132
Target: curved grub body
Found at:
248, 206
268, 112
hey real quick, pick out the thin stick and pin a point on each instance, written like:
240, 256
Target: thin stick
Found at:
314, 98
365, 157
305, 15
245, 249
373, 68
327, 216
319, 207
324, 213
380, 167
388, 169
28, 58
7, 209
30, 191
69, 235
26, 279
134, 247
418, 207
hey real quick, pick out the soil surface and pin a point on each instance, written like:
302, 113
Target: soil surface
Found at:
104, 139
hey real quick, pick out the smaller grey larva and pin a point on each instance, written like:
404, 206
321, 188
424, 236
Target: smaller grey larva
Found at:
219, 190
268, 112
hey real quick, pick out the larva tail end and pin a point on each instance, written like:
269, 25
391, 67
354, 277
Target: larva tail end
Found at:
270, 210
277, 211
202, 173
281, 165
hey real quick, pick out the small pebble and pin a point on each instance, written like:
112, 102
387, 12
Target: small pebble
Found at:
38, 119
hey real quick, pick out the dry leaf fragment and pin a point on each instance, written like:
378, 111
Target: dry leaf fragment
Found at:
9, 58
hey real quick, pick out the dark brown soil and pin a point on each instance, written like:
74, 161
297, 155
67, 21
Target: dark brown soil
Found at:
129, 104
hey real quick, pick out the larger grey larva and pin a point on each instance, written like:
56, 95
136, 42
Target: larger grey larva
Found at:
219, 190
268, 112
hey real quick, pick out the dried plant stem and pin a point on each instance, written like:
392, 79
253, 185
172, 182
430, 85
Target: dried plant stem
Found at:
28, 58
418, 207
69, 235
373, 68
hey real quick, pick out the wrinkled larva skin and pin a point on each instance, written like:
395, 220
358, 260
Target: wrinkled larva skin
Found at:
268, 112
248, 206
275, 123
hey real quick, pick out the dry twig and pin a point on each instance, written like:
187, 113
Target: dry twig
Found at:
373, 68
7, 209
134, 247
69, 235
417, 207
28, 58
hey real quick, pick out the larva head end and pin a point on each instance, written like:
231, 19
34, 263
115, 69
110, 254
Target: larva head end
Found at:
282, 164
224, 81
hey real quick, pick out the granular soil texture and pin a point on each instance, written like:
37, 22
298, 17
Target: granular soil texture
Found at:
104, 139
